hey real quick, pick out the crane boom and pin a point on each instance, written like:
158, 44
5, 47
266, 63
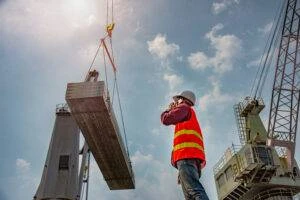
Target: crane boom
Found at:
284, 109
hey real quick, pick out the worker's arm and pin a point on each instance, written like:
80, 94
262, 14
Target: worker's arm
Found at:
176, 115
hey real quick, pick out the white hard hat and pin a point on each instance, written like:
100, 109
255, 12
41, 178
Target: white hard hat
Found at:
188, 95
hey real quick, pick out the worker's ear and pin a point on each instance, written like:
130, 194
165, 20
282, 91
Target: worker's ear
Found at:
180, 100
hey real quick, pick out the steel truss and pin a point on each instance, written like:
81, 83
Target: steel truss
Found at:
284, 109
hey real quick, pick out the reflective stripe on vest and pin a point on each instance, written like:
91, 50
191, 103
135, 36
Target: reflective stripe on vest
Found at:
187, 145
188, 132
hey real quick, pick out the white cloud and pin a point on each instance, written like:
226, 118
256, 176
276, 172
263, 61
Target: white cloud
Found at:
254, 63
179, 58
151, 176
167, 53
227, 49
218, 7
91, 20
214, 98
88, 52
160, 48
24, 180
173, 80
138, 158
22, 165
158, 172
266, 29
199, 60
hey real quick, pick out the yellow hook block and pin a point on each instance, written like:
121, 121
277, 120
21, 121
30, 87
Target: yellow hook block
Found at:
110, 28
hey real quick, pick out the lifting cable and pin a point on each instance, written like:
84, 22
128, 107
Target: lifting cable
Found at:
122, 118
111, 47
92, 63
116, 89
268, 67
112, 60
264, 66
110, 54
105, 71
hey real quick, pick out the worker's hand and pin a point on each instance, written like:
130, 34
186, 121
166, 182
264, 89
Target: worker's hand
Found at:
172, 105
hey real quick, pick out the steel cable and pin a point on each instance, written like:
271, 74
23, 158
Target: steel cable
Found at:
267, 61
263, 69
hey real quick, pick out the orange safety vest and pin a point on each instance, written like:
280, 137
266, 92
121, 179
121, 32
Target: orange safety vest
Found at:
188, 141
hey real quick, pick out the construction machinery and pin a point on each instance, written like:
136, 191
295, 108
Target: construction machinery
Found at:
60, 175
263, 166
91, 112
89, 109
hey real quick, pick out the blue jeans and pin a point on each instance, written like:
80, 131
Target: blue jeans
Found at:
189, 175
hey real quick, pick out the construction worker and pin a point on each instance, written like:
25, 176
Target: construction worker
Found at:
188, 150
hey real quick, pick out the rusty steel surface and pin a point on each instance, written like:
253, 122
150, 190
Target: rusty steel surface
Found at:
91, 110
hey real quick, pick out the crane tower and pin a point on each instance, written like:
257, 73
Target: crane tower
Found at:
60, 174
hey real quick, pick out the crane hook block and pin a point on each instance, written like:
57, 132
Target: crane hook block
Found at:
110, 28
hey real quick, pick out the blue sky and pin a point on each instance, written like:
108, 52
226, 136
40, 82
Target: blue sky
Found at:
161, 48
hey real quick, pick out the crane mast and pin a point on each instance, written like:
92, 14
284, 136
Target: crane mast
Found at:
284, 109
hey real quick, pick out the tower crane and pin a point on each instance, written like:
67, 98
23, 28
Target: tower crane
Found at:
263, 167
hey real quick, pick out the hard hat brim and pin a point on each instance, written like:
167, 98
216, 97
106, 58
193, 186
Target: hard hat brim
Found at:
176, 97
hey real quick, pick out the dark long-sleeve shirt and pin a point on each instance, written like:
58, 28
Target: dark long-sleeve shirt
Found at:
178, 114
